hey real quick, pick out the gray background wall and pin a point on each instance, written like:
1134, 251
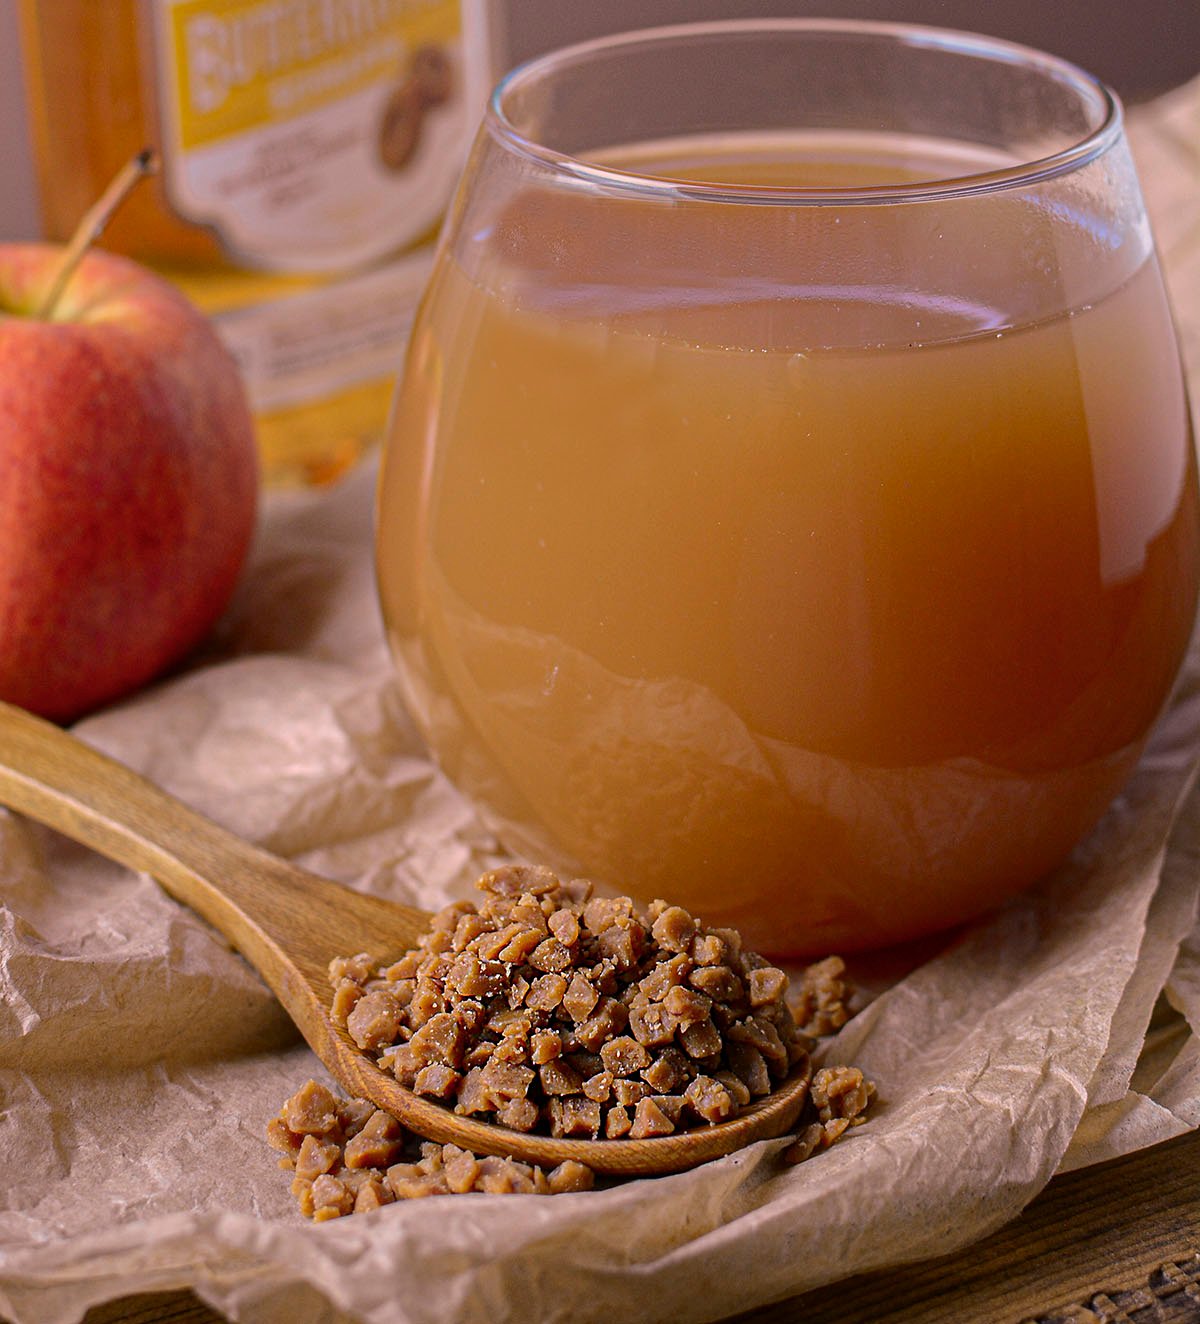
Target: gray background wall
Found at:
1140, 46
18, 206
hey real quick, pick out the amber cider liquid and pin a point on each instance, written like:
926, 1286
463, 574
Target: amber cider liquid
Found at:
838, 611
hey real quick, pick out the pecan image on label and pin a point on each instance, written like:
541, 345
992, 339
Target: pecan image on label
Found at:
400, 128
432, 75
428, 82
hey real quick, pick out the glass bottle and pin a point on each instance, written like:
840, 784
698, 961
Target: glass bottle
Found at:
307, 149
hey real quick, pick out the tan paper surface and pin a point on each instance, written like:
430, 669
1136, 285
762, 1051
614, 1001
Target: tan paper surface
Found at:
140, 1059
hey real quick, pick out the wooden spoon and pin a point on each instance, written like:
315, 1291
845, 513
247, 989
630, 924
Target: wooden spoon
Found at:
289, 924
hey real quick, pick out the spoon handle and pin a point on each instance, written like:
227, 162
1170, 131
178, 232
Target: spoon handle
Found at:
275, 913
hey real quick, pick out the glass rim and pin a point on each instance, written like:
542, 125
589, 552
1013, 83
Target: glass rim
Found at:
1071, 157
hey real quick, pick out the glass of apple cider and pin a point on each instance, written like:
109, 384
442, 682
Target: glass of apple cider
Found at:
790, 506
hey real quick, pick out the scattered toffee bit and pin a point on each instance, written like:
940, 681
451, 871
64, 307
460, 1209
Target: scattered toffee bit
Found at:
821, 1004
350, 1157
840, 1097
548, 1009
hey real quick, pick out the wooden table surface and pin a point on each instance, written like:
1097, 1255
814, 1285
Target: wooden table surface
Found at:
1115, 1244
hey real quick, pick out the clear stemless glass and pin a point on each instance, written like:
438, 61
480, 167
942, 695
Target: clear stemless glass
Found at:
790, 506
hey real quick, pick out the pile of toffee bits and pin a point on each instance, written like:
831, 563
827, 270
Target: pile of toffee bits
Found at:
547, 1009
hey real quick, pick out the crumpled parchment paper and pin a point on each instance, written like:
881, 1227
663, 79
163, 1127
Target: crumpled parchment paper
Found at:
140, 1059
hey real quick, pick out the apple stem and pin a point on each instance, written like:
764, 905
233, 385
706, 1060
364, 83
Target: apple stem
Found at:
94, 221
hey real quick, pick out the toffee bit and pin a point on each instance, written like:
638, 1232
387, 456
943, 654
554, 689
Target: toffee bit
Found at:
820, 1005
352, 1166
838, 1099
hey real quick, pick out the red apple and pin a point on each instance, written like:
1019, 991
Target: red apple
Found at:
128, 480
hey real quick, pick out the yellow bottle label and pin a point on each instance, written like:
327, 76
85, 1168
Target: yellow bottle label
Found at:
313, 135
322, 341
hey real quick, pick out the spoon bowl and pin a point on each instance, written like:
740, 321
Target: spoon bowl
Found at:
289, 924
